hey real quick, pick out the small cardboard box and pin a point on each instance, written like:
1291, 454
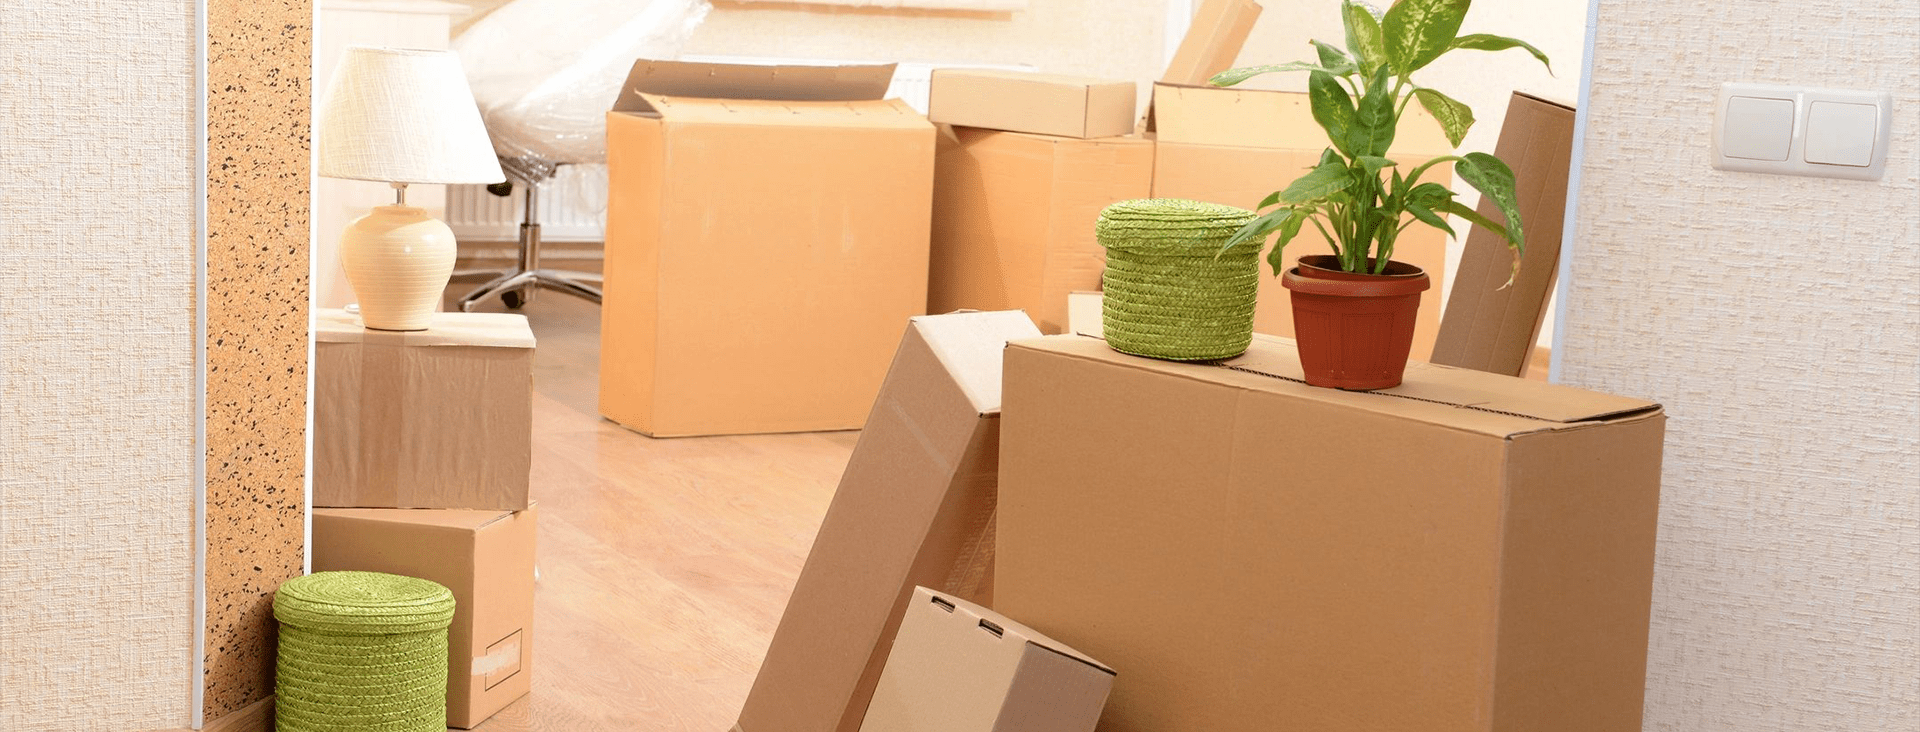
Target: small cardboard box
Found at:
1465, 552
1014, 214
1493, 329
485, 557
767, 234
1017, 101
439, 418
1235, 146
915, 507
959, 667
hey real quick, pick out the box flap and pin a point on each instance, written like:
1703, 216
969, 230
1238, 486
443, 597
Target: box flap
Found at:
970, 346
870, 114
452, 518
500, 330
1219, 29
1264, 118
1528, 405
794, 83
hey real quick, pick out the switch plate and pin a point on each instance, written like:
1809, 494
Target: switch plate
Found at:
1786, 130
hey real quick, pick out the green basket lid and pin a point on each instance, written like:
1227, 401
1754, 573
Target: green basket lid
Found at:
1173, 227
363, 603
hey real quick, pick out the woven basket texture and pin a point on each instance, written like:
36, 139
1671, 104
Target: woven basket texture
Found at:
362, 652
1170, 292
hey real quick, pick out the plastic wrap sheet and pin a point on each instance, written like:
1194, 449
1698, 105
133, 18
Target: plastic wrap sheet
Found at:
544, 72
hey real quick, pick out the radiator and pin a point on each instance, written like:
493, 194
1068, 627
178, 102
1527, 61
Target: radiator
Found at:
573, 202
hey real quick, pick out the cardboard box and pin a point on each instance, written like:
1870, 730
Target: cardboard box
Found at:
915, 507
1214, 39
959, 667
1235, 146
1018, 101
1463, 552
1493, 329
1014, 216
767, 234
439, 418
485, 557
1086, 314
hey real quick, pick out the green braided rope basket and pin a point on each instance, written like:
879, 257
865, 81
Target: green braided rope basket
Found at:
362, 652
1170, 292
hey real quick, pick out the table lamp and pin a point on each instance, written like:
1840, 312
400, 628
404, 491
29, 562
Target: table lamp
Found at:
401, 116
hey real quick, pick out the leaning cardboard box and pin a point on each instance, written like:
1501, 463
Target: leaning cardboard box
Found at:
1235, 146
485, 557
959, 667
439, 418
766, 236
1014, 211
915, 507
1465, 552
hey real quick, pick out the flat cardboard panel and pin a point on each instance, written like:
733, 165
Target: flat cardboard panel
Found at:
1068, 106
1014, 216
441, 418
751, 81
1490, 326
761, 257
915, 507
1219, 29
959, 667
1384, 594
1084, 313
485, 557
1242, 176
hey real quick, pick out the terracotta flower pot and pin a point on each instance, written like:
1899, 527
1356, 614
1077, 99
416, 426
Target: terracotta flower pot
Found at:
1354, 330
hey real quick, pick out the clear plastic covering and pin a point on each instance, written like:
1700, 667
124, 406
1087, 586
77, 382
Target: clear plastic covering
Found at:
545, 71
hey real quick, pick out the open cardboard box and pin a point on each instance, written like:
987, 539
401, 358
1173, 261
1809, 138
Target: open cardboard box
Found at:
767, 234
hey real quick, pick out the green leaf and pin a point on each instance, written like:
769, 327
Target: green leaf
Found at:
1455, 118
1429, 194
1325, 180
1418, 31
1272, 198
1332, 108
1364, 37
1373, 163
1484, 42
1333, 59
1427, 216
1495, 180
1258, 228
1231, 77
1288, 230
1460, 209
1374, 121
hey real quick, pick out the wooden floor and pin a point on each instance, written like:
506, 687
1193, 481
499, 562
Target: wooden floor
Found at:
664, 564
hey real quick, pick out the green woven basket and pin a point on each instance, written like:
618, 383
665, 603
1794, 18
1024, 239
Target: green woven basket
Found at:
362, 652
1170, 292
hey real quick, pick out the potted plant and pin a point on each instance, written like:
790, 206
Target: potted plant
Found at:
1354, 309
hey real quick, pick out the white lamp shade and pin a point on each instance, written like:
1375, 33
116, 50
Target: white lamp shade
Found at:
403, 116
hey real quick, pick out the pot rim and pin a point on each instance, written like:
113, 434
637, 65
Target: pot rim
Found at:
1316, 264
1300, 280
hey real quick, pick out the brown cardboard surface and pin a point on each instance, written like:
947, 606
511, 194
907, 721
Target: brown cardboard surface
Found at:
1084, 314
915, 507
1219, 29
959, 667
1487, 327
440, 418
1235, 146
1464, 552
1014, 214
796, 83
761, 257
1047, 104
485, 557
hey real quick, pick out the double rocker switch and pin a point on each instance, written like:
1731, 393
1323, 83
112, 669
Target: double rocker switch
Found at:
1791, 131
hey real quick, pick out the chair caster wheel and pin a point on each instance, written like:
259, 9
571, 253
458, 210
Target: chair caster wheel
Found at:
512, 299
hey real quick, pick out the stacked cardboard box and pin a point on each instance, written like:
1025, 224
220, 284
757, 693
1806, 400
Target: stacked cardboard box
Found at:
422, 446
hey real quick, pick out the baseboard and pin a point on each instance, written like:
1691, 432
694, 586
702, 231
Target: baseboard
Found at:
255, 717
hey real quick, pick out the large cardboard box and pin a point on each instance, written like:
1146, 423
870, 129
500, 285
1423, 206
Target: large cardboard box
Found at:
1235, 146
1017, 101
1488, 325
959, 667
485, 557
439, 418
767, 236
1014, 215
915, 507
1465, 552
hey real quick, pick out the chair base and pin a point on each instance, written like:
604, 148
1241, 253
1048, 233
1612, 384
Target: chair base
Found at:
516, 286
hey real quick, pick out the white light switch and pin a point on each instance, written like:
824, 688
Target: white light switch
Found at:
1842, 134
1834, 133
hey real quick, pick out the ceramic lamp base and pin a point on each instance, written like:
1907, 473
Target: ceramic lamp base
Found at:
399, 260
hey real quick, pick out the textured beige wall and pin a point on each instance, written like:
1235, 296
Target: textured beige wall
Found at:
1778, 319
97, 366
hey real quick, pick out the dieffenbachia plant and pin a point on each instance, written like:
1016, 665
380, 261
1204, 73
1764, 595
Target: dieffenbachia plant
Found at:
1356, 196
